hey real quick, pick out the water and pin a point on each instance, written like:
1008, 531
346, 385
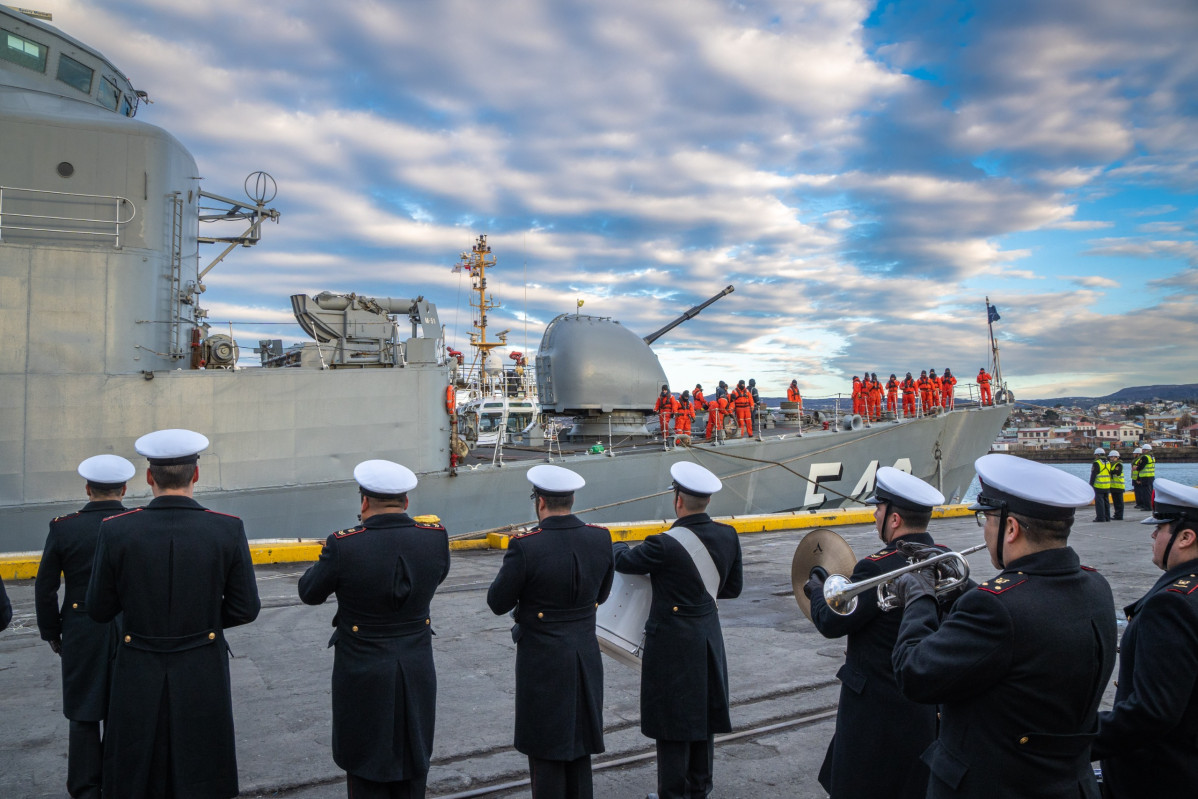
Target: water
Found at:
1184, 473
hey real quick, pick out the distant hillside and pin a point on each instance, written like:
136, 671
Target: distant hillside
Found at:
1174, 393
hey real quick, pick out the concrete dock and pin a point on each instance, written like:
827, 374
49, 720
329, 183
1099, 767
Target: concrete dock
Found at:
782, 673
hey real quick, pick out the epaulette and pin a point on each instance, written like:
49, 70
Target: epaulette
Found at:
218, 513
348, 531
430, 526
119, 515
597, 527
1000, 584
1089, 568
68, 516
883, 554
527, 533
1186, 585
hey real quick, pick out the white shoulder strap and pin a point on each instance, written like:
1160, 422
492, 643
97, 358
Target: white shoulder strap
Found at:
700, 555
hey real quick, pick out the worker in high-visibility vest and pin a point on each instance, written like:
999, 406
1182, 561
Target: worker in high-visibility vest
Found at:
1100, 479
1148, 475
1118, 486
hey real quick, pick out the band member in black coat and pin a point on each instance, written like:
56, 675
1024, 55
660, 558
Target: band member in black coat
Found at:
384, 573
5, 607
1148, 742
85, 647
553, 578
873, 716
1019, 664
684, 678
182, 575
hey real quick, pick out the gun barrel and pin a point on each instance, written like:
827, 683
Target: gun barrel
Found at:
692, 313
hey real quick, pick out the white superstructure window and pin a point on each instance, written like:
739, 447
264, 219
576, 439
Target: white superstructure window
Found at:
75, 74
110, 95
20, 50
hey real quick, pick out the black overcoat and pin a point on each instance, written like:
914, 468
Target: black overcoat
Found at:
87, 647
873, 717
181, 574
684, 676
384, 573
554, 577
1148, 742
5, 607
1018, 666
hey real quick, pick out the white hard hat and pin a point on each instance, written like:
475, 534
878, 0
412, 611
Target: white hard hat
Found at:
1114, 453
1099, 451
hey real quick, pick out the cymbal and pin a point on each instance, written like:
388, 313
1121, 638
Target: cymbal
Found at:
820, 547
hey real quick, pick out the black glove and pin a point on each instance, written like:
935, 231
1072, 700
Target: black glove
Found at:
56, 645
815, 580
949, 568
913, 585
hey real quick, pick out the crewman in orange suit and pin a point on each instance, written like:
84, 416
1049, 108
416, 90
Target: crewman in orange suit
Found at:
858, 396
984, 386
875, 397
892, 390
925, 391
909, 387
742, 401
793, 395
684, 414
665, 408
715, 416
697, 396
935, 388
947, 381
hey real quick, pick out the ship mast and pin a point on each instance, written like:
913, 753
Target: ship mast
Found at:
476, 263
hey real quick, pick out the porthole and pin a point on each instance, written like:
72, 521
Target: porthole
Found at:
66, 169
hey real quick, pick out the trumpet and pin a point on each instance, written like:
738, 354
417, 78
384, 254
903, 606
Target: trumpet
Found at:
841, 595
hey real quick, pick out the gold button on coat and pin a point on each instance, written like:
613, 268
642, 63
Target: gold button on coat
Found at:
540, 615
355, 628
75, 605
128, 638
1023, 740
675, 608
428, 621
211, 636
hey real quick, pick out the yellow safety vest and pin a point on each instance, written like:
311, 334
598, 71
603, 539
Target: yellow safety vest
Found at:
1149, 469
1117, 483
1102, 480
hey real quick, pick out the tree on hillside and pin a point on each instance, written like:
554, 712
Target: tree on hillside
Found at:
1135, 411
1051, 416
1184, 421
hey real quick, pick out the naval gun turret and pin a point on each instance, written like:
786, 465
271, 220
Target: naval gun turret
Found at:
601, 373
355, 331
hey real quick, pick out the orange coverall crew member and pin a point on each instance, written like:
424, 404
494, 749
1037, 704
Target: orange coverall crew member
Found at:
715, 416
875, 398
947, 381
684, 414
925, 390
984, 386
699, 399
665, 407
935, 388
793, 395
892, 390
858, 396
909, 389
743, 403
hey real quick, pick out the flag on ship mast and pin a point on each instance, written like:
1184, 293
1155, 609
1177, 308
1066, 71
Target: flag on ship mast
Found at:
992, 313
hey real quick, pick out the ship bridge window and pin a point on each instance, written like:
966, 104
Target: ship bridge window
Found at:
128, 105
75, 74
110, 95
20, 50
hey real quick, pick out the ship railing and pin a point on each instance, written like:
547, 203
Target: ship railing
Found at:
44, 223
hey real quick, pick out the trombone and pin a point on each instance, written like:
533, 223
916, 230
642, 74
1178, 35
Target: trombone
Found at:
841, 595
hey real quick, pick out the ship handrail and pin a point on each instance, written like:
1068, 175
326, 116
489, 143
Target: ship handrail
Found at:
117, 222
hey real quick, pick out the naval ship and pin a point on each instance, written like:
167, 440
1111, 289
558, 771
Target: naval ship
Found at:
106, 338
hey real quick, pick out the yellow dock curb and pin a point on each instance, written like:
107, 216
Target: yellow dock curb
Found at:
23, 565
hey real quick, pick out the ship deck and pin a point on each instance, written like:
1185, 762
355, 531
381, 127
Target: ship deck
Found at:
782, 674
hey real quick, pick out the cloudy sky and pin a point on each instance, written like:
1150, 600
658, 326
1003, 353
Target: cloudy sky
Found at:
864, 173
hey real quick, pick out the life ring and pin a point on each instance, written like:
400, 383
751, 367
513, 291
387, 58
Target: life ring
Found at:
451, 401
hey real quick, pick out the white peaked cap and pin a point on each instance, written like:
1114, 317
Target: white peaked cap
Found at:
903, 490
1172, 501
167, 447
1028, 487
555, 480
381, 479
694, 479
106, 470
